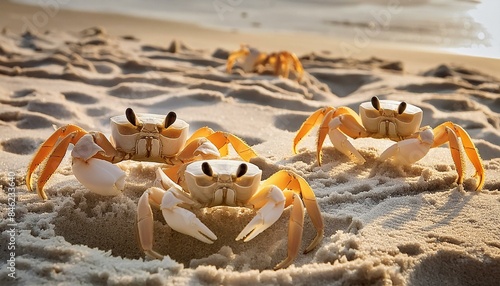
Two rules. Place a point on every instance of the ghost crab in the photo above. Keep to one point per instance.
(140, 137)
(394, 120)
(209, 183)
(252, 60)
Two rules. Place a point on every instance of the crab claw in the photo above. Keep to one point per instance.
(411, 150)
(267, 215)
(99, 176)
(184, 221)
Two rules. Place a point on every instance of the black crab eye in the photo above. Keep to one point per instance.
(170, 119)
(207, 169)
(376, 103)
(402, 107)
(242, 170)
(131, 117)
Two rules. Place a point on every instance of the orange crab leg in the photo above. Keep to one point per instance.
(295, 228)
(313, 120)
(472, 154)
(221, 139)
(55, 158)
(298, 65)
(294, 187)
(350, 125)
(46, 148)
(448, 132)
(202, 132)
(323, 130)
(286, 58)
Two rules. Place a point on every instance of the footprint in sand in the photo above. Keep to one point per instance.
(79, 97)
(452, 104)
(56, 110)
(289, 122)
(432, 87)
(21, 146)
(32, 121)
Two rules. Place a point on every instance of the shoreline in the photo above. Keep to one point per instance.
(16, 17)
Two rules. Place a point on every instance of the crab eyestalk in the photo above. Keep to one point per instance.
(170, 119)
(242, 170)
(207, 169)
(401, 107)
(376, 103)
(131, 117)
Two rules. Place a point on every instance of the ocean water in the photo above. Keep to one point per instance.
(470, 27)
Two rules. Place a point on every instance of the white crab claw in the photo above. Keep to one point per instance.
(341, 143)
(266, 216)
(208, 148)
(99, 176)
(409, 151)
(184, 221)
(85, 148)
(249, 63)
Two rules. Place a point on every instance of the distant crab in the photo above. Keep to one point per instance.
(252, 60)
(394, 120)
(140, 137)
(209, 183)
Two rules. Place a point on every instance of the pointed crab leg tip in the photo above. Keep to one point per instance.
(480, 184)
(153, 254)
(28, 186)
(42, 194)
(283, 264)
(317, 240)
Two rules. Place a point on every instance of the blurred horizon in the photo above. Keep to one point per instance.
(457, 26)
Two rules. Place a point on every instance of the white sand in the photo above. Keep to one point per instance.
(384, 224)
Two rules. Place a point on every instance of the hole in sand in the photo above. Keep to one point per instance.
(109, 225)
(344, 84)
(451, 267)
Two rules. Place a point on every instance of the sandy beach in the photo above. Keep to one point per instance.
(385, 224)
